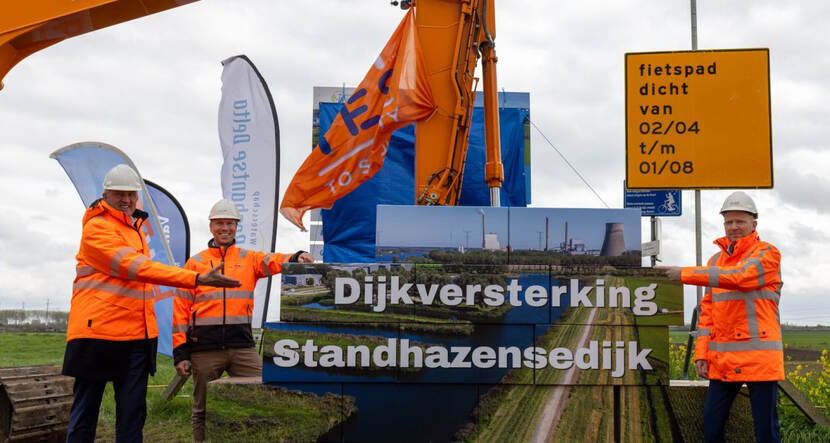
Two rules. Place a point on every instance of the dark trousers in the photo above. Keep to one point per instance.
(130, 403)
(763, 396)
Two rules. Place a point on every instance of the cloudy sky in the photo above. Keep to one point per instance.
(151, 88)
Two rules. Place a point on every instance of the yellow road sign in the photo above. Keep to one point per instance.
(698, 119)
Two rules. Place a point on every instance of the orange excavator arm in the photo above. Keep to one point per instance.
(29, 26)
(454, 35)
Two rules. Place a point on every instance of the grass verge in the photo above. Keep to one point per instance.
(259, 415)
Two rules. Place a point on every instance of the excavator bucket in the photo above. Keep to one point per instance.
(27, 27)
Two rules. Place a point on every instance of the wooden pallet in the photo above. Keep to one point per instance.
(34, 404)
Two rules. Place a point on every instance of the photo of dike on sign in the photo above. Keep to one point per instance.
(470, 298)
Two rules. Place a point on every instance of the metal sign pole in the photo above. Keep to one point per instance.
(698, 247)
(653, 237)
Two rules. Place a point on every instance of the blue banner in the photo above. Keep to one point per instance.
(86, 164)
(176, 230)
(173, 222)
(349, 226)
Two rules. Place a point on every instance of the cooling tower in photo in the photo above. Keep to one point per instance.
(613, 243)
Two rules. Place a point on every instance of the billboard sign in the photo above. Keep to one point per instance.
(483, 334)
(491, 334)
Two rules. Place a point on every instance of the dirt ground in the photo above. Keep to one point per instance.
(801, 354)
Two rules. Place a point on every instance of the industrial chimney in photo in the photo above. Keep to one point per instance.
(483, 229)
(613, 244)
(547, 232)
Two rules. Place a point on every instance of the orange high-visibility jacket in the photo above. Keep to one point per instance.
(207, 318)
(739, 332)
(112, 296)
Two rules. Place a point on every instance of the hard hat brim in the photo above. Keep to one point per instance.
(724, 211)
(122, 188)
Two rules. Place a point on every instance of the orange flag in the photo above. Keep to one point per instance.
(394, 93)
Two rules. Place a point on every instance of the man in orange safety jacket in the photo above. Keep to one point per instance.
(739, 332)
(212, 327)
(112, 333)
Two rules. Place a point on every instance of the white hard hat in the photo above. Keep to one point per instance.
(739, 201)
(122, 178)
(224, 209)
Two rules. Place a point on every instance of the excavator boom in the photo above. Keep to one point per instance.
(454, 35)
(27, 27)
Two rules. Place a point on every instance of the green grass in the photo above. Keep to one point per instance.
(290, 416)
(679, 336)
(31, 348)
(474, 313)
(356, 316)
(505, 413)
(249, 413)
(668, 295)
(405, 323)
(303, 297)
(797, 428)
(169, 421)
(814, 340)
(655, 338)
(511, 412)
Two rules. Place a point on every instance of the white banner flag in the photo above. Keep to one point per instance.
(249, 135)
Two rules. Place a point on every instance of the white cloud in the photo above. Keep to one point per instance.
(151, 88)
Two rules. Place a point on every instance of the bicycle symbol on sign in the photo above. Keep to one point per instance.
(670, 205)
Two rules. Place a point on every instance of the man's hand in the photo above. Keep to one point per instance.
(217, 279)
(305, 257)
(702, 367)
(672, 272)
(183, 368)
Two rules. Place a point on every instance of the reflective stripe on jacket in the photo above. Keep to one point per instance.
(112, 296)
(739, 332)
(219, 318)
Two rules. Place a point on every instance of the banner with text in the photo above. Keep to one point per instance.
(176, 230)
(394, 93)
(249, 135)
